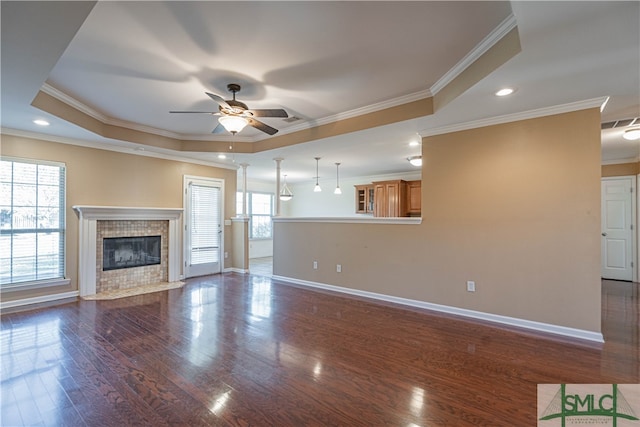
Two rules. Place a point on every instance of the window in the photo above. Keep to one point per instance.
(32, 221)
(260, 210)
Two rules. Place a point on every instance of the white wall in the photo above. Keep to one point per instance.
(306, 203)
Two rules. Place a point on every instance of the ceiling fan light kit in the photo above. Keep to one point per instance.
(233, 124)
(236, 115)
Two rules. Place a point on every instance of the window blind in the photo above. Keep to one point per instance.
(205, 224)
(32, 221)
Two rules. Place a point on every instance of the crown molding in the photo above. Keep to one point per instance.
(515, 117)
(389, 103)
(481, 48)
(620, 161)
(132, 149)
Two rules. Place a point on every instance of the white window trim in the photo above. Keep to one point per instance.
(45, 283)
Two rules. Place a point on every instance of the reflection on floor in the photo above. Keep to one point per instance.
(261, 266)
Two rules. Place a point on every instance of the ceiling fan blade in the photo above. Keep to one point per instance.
(218, 129)
(273, 112)
(218, 99)
(261, 126)
(195, 112)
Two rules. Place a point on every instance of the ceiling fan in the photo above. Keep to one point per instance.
(235, 115)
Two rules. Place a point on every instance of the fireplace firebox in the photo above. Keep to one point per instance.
(129, 252)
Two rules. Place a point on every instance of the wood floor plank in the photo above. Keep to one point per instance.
(242, 350)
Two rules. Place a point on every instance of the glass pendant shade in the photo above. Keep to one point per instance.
(233, 124)
(285, 193)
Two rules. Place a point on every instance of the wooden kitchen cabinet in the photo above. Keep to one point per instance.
(414, 198)
(394, 198)
(364, 199)
(390, 198)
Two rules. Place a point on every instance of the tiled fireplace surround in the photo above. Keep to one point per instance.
(97, 222)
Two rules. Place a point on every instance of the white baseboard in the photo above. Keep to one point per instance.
(495, 318)
(236, 270)
(37, 300)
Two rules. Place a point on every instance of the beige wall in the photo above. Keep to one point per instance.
(514, 207)
(621, 169)
(107, 178)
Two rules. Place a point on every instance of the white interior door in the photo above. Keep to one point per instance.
(617, 228)
(203, 226)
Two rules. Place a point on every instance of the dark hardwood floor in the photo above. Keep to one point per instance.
(236, 350)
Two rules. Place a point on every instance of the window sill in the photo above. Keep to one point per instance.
(36, 284)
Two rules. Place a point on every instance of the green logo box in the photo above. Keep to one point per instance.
(611, 405)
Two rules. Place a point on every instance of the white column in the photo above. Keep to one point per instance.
(278, 160)
(244, 189)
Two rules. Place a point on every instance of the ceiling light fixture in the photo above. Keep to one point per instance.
(504, 92)
(337, 190)
(41, 122)
(631, 134)
(317, 188)
(285, 194)
(222, 156)
(233, 124)
(415, 160)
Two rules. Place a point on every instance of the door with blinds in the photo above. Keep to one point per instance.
(203, 226)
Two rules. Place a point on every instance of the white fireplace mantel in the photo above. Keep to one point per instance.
(87, 248)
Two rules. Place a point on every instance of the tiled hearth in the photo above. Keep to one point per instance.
(97, 222)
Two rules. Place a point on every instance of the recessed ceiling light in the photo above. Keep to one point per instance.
(41, 122)
(631, 134)
(222, 156)
(504, 92)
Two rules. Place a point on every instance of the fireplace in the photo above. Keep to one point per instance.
(130, 252)
(100, 223)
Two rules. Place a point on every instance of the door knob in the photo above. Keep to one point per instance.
(604, 234)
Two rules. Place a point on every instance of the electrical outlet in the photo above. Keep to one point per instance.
(226, 254)
(338, 268)
(315, 265)
(471, 286)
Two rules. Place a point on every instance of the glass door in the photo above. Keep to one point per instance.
(203, 226)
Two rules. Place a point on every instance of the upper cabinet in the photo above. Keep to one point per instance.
(395, 198)
(414, 198)
(364, 199)
(390, 198)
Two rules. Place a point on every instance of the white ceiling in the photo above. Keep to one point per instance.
(132, 62)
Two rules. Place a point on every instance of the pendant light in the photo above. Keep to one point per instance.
(317, 188)
(337, 190)
(285, 193)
